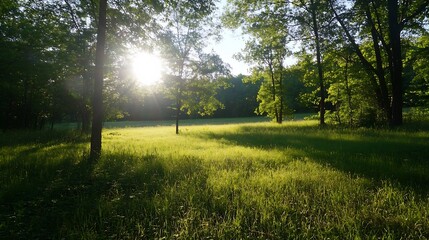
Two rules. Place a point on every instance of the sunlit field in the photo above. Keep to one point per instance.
(219, 181)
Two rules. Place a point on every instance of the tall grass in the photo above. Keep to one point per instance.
(236, 181)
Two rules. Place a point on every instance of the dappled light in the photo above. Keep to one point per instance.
(252, 180)
(357, 153)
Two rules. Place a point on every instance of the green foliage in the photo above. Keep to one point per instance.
(266, 48)
(352, 103)
(375, 35)
(308, 96)
(239, 98)
(418, 91)
(29, 69)
(293, 87)
(417, 114)
(193, 77)
(239, 181)
(199, 95)
(388, 26)
(47, 57)
(137, 104)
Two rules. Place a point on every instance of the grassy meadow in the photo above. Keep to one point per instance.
(220, 181)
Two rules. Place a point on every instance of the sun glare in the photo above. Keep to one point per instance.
(147, 68)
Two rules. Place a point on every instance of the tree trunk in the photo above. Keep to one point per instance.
(281, 107)
(396, 74)
(372, 72)
(319, 65)
(385, 105)
(97, 122)
(273, 89)
(348, 90)
(177, 114)
(281, 93)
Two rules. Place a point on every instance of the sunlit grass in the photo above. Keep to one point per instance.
(236, 181)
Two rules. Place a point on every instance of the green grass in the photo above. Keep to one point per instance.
(183, 122)
(235, 181)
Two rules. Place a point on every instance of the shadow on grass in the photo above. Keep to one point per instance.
(397, 156)
(52, 192)
(34, 165)
(42, 137)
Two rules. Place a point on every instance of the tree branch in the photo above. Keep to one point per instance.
(413, 15)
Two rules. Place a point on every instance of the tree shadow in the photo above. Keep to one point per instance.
(397, 156)
(42, 137)
(36, 163)
(51, 191)
(46, 199)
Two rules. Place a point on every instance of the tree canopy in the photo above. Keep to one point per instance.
(352, 45)
(357, 62)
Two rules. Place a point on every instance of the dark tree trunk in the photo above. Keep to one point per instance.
(273, 90)
(97, 122)
(396, 74)
(281, 94)
(372, 72)
(348, 90)
(322, 87)
(177, 113)
(179, 99)
(281, 113)
(384, 93)
(319, 64)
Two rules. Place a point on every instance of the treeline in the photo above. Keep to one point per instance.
(238, 100)
(363, 61)
(358, 62)
(48, 60)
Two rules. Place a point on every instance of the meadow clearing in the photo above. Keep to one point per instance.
(217, 181)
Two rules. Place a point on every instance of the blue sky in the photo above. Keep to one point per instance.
(232, 42)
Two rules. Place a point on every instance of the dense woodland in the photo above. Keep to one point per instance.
(358, 62)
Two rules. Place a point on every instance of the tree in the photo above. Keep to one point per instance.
(270, 58)
(193, 76)
(266, 49)
(417, 94)
(97, 119)
(352, 103)
(313, 21)
(80, 55)
(119, 18)
(32, 40)
(276, 23)
(385, 22)
(293, 86)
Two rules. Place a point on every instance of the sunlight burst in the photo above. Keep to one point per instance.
(147, 68)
